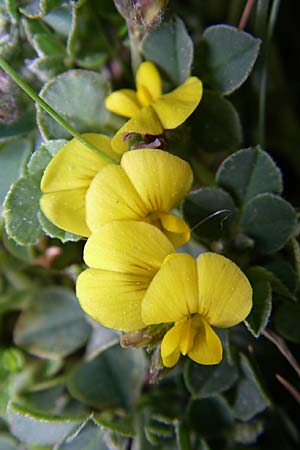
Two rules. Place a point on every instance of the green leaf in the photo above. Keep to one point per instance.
(216, 125)
(249, 172)
(53, 231)
(54, 326)
(171, 49)
(85, 112)
(270, 221)
(12, 158)
(247, 433)
(7, 442)
(101, 339)
(210, 414)
(286, 320)
(42, 156)
(114, 378)
(250, 398)
(182, 436)
(205, 381)
(259, 273)
(35, 428)
(35, 9)
(22, 252)
(205, 202)
(21, 208)
(228, 57)
(23, 125)
(119, 423)
(262, 306)
(91, 437)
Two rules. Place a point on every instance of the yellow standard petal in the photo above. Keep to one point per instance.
(172, 294)
(207, 347)
(145, 122)
(111, 196)
(170, 346)
(148, 83)
(67, 179)
(129, 247)
(162, 180)
(123, 102)
(175, 107)
(112, 298)
(225, 294)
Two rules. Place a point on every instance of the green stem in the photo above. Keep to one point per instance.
(58, 118)
(264, 72)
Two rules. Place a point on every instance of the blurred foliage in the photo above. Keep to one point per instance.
(65, 382)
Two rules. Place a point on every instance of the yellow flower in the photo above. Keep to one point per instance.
(150, 111)
(123, 258)
(145, 187)
(195, 294)
(67, 179)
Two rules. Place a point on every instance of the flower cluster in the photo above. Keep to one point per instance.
(135, 278)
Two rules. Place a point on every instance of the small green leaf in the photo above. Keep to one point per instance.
(228, 57)
(12, 158)
(286, 320)
(54, 326)
(204, 381)
(114, 378)
(250, 398)
(85, 112)
(249, 172)
(21, 208)
(216, 125)
(35, 428)
(262, 307)
(270, 221)
(208, 211)
(171, 48)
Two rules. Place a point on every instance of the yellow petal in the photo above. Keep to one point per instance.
(112, 298)
(66, 209)
(129, 247)
(145, 122)
(207, 348)
(123, 102)
(161, 179)
(175, 107)
(148, 79)
(66, 180)
(75, 165)
(110, 197)
(172, 294)
(225, 294)
(170, 351)
(175, 229)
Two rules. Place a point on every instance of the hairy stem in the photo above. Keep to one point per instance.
(57, 117)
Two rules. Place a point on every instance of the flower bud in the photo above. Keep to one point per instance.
(142, 12)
